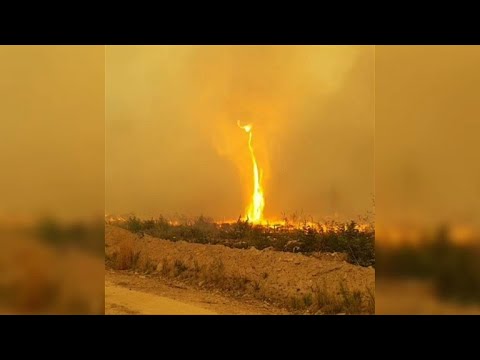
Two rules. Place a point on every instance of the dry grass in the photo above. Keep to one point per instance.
(320, 301)
(325, 302)
(370, 301)
(128, 257)
(351, 300)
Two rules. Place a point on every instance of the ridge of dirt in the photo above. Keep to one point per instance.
(267, 274)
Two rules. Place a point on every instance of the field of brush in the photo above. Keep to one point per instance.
(358, 246)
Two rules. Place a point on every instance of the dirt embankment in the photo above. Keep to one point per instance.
(293, 280)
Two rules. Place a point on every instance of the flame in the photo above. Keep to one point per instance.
(255, 209)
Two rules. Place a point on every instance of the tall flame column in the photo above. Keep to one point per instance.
(255, 208)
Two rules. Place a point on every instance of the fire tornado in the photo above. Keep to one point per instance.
(257, 203)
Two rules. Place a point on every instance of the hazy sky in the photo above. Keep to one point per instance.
(173, 144)
(427, 134)
(52, 131)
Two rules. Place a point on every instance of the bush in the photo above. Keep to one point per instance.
(326, 302)
(134, 224)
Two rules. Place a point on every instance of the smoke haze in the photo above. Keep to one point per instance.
(173, 144)
(427, 170)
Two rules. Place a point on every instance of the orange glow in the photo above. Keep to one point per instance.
(255, 208)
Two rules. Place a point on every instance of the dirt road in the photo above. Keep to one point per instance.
(120, 300)
(130, 293)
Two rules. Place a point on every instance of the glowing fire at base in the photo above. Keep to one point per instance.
(255, 209)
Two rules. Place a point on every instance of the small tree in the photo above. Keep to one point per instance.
(134, 224)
